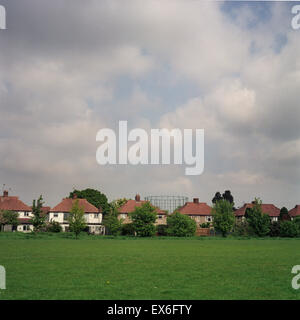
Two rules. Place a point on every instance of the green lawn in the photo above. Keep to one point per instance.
(98, 268)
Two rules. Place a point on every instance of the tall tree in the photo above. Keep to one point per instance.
(76, 219)
(259, 222)
(143, 219)
(217, 197)
(93, 196)
(284, 214)
(38, 219)
(112, 223)
(223, 216)
(118, 203)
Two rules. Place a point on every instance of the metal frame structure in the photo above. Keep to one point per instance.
(169, 203)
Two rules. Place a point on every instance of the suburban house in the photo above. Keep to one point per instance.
(13, 203)
(272, 211)
(92, 215)
(130, 206)
(294, 212)
(198, 211)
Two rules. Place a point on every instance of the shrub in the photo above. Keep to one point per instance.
(258, 221)
(53, 226)
(161, 229)
(127, 229)
(274, 229)
(223, 216)
(241, 228)
(205, 225)
(112, 223)
(180, 225)
(289, 229)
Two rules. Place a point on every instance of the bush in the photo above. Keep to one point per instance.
(241, 228)
(53, 226)
(274, 229)
(180, 225)
(289, 229)
(161, 229)
(205, 225)
(127, 229)
(112, 223)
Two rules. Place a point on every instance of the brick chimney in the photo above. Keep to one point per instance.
(5, 193)
(196, 200)
(137, 197)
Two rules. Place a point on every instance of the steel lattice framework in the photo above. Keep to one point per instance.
(169, 203)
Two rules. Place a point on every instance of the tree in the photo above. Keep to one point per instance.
(275, 229)
(217, 197)
(223, 216)
(258, 221)
(284, 214)
(225, 196)
(9, 217)
(116, 204)
(76, 219)
(112, 223)
(38, 219)
(180, 225)
(93, 196)
(143, 219)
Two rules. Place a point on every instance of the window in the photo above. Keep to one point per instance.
(66, 216)
(55, 215)
(26, 214)
(96, 216)
(208, 218)
(26, 228)
(160, 216)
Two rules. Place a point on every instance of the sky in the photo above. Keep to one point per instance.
(69, 68)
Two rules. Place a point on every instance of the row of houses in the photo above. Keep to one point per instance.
(199, 211)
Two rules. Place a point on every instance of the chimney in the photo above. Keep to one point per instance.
(196, 200)
(5, 193)
(74, 196)
(137, 197)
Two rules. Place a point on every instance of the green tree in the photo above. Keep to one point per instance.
(258, 221)
(223, 216)
(93, 196)
(180, 225)
(116, 204)
(76, 219)
(112, 223)
(38, 219)
(9, 217)
(143, 219)
(284, 214)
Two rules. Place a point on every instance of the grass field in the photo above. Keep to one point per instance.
(101, 268)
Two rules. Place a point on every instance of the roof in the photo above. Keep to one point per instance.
(13, 204)
(130, 205)
(295, 211)
(195, 209)
(268, 209)
(66, 205)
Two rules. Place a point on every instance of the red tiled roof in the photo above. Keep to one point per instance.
(195, 209)
(130, 205)
(295, 211)
(13, 204)
(268, 209)
(66, 205)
